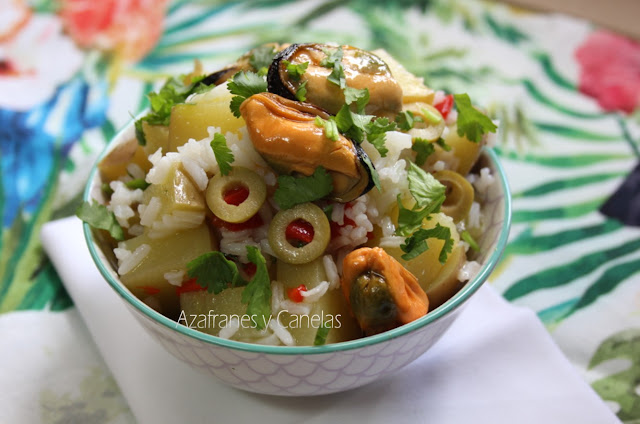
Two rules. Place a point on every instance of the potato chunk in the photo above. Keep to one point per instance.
(176, 193)
(208, 312)
(114, 165)
(439, 281)
(191, 120)
(332, 307)
(156, 136)
(171, 253)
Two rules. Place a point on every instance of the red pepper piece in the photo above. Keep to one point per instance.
(189, 286)
(445, 105)
(150, 290)
(236, 195)
(299, 231)
(295, 293)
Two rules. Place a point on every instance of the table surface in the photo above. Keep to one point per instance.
(565, 92)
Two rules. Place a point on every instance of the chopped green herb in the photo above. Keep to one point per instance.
(471, 122)
(429, 195)
(222, 152)
(137, 183)
(406, 120)
(257, 294)
(424, 188)
(466, 236)
(372, 170)
(333, 60)
(330, 128)
(214, 272)
(244, 85)
(358, 96)
(440, 142)
(321, 334)
(296, 71)
(301, 92)
(261, 57)
(106, 189)
(328, 210)
(173, 92)
(293, 191)
(352, 125)
(423, 148)
(417, 243)
(376, 133)
(98, 216)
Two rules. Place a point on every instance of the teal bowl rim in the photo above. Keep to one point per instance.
(449, 306)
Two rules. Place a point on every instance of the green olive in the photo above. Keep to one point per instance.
(238, 177)
(299, 255)
(372, 303)
(459, 194)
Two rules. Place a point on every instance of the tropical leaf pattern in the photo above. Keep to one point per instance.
(564, 155)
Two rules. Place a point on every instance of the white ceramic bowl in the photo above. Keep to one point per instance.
(307, 371)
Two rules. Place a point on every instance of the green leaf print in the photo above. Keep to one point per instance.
(621, 387)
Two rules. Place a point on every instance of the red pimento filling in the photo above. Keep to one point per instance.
(445, 105)
(295, 293)
(189, 286)
(150, 290)
(299, 233)
(236, 195)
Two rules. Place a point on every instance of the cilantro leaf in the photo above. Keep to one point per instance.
(214, 272)
(293, 191)
(296, 71)
(352, 125)
(417, 243)
(321, 334)
(429, 195)
(406, 120)
(330, 128)
(257, 294)
(222, 152)
(173, 92)
(245, 85)
(423, 148)
(98, 216)
(301, 92)
(471, 122)
(424, 188)
(261, 57)
(137, 183)
(372, 170)
(359, 96)
(334, 60)
(376, 134)
(443, 144)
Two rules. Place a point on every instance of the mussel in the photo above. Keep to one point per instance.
(362, 69)
(244, 63)
(382, 294)
(285, 134)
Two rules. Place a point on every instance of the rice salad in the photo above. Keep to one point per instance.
(305, 194)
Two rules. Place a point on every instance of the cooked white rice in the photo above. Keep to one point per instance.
(149, 212)
(332, 271)
(314, 294)
(129, 260)
(176, 221)
(230, 329)
(175, 277)
(122, 201)
(468, 271)
(278, 329)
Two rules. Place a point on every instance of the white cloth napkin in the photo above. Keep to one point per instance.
(497, 364)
